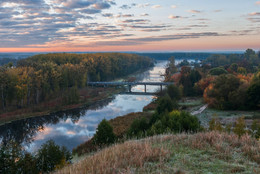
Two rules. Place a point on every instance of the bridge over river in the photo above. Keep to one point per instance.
(130, 84)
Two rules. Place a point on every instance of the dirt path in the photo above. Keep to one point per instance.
(200, 110)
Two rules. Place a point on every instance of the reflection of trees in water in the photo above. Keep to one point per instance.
(24, 130)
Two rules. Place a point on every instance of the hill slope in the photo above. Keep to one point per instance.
(210, 152)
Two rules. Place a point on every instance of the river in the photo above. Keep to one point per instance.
(76, 126)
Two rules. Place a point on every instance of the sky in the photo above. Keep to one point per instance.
(133, 25)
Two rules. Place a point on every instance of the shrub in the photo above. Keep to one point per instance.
(240, 126)
(183, 122)
(215, 125)
(104, 134)
(255, 128)
(138, 128)
(176, 122)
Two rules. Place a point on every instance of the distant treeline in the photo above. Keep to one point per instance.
(157, 56)
(42, 77)
(166, 56)
(5, 61)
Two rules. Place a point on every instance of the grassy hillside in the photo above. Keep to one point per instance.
(210, 152)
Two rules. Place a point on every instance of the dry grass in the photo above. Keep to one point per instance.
(209, 152)
(122, 124)
(123, 158)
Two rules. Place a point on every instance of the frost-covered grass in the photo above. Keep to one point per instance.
(210, 152)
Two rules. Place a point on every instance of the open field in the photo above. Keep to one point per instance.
(210, 152)
(225, 117)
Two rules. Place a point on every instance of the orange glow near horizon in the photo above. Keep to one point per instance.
(205, 44)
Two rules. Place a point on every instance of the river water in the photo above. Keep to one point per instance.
(71, 128)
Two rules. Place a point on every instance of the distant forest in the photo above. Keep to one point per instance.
(39, 78)
(13, 57)
(187, 55)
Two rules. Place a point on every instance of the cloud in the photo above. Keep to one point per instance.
(156, 6)
(127, 15)
(108, 15)
(77, 3)
(254, 20)
(125, 7)
(144, 40)
(26, 23)
(194, 11)
(241, 32)
(173, 6)
(174, 17)
(144, 14)
(217, 11)
(257, 2)
(101, 5)
(254, 17)
(254, 14)
(136, 21)
(197, 26)
(91, 11)
(143, 5)
(150, 26)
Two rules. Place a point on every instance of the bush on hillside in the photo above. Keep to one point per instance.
(104, 134)
(175, 122)
(138, 128)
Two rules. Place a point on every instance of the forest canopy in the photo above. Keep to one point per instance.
(39, 77)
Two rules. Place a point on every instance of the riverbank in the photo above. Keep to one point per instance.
(88, 96)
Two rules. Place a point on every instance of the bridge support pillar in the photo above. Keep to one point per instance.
(129, 88)
(161, 88)
(145, 88)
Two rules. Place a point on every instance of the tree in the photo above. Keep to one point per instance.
(218, 71)
(10, 156)
(234, 67)
(50, 156)
(184, 63)
(174, 92)
(165, 104)
(253, 93)
(104, 134)
(248, 53)
(222, 92)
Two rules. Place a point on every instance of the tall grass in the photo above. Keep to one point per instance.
(136, 156)
(122, 158)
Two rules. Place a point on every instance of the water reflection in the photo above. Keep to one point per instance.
(71, 128)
